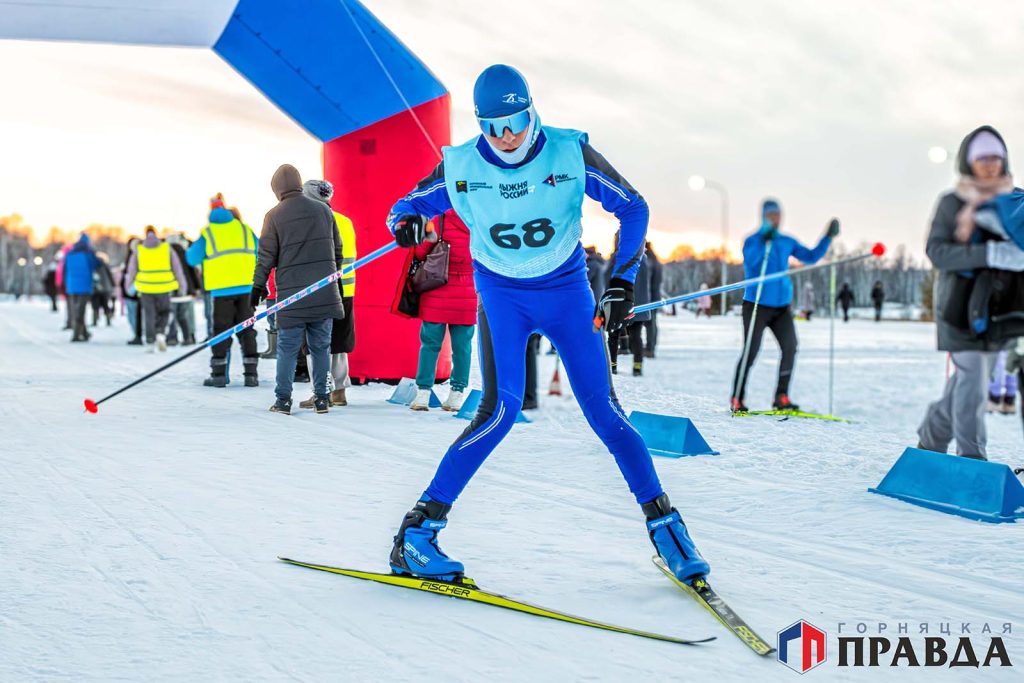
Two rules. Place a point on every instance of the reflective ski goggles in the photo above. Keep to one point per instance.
(517, 123)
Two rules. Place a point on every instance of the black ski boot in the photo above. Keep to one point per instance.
(416, 551)
(283, 406)
(249, 368)
(218, 373)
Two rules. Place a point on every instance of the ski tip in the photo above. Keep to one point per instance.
(90, 406)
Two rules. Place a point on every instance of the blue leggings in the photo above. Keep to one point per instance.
(562, 310)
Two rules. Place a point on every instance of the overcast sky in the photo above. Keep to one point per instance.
(829, 106)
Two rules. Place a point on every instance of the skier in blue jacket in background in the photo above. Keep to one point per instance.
(519, 187)
(772, 300)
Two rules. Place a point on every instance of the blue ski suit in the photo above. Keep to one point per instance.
(531, 275)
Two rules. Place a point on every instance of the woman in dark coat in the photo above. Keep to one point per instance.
(956, 252)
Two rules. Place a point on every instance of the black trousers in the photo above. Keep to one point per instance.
(156, 309)
(652, 332)
(228, 311)
(77, 305)
(636, 344)
(780, 321)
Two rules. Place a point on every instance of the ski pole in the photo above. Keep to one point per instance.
(831, 337)
(877, 250)
(93, 406)
(741, 377)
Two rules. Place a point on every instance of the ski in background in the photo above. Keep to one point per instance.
(792, 413)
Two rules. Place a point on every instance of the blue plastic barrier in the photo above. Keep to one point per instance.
(405, 392)
(976, 489)
(670, 436)
(472, 402)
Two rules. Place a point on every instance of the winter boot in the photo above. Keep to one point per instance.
(173, 341)
(782, 402)
(416, 550)
(338, 397)
(614, 366)
(218, 373)
(737, 406)
(454, 401)
(1008, 407)
(249, 364)
(994, 404)
(271, 351)
(638, 369)
(321, 404)
(283, 406)
(672, 541)
(161, 342)
(422, 400)
(137, 341)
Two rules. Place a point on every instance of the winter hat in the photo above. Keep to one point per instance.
(963, 166)
(217, 201)
(321, 190)
(770, 206)
(500, 91)
(985, 144)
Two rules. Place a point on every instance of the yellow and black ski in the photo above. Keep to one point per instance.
(791, 413)
(468, 590)
(710, 600)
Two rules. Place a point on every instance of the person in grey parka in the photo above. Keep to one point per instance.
(959, 414)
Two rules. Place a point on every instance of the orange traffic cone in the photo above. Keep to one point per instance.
(556, 385)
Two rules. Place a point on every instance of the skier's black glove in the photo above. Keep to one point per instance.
(833, 228)
(411, 229)
(614, 305)
(258, 294)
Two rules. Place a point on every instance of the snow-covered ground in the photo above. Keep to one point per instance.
(140, 543)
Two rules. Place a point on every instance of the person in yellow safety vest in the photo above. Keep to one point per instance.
(155, 272)
(343, 332)
(226, 250)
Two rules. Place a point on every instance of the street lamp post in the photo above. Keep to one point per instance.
(698, 183)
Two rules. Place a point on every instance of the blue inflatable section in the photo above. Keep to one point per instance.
(976, 489)
(311, 60)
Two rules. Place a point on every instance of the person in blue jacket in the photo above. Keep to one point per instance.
(79, 265)
(519, 187)
(767, 305)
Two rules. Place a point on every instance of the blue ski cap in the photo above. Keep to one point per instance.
(500, 91)
(770, 206)
(502, 100)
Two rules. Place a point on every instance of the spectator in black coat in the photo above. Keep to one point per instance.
(877, 299)
(300, 239)
(845, 299)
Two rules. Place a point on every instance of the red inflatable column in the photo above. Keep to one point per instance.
(371, 168)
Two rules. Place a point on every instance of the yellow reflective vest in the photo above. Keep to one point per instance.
(155, 274)
(347, 232)
(230, 257)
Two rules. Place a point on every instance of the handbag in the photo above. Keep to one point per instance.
(432, 272)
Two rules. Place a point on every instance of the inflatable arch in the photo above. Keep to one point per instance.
(338, 72)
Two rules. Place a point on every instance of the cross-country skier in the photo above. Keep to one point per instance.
(772, 299)
(519, 187)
